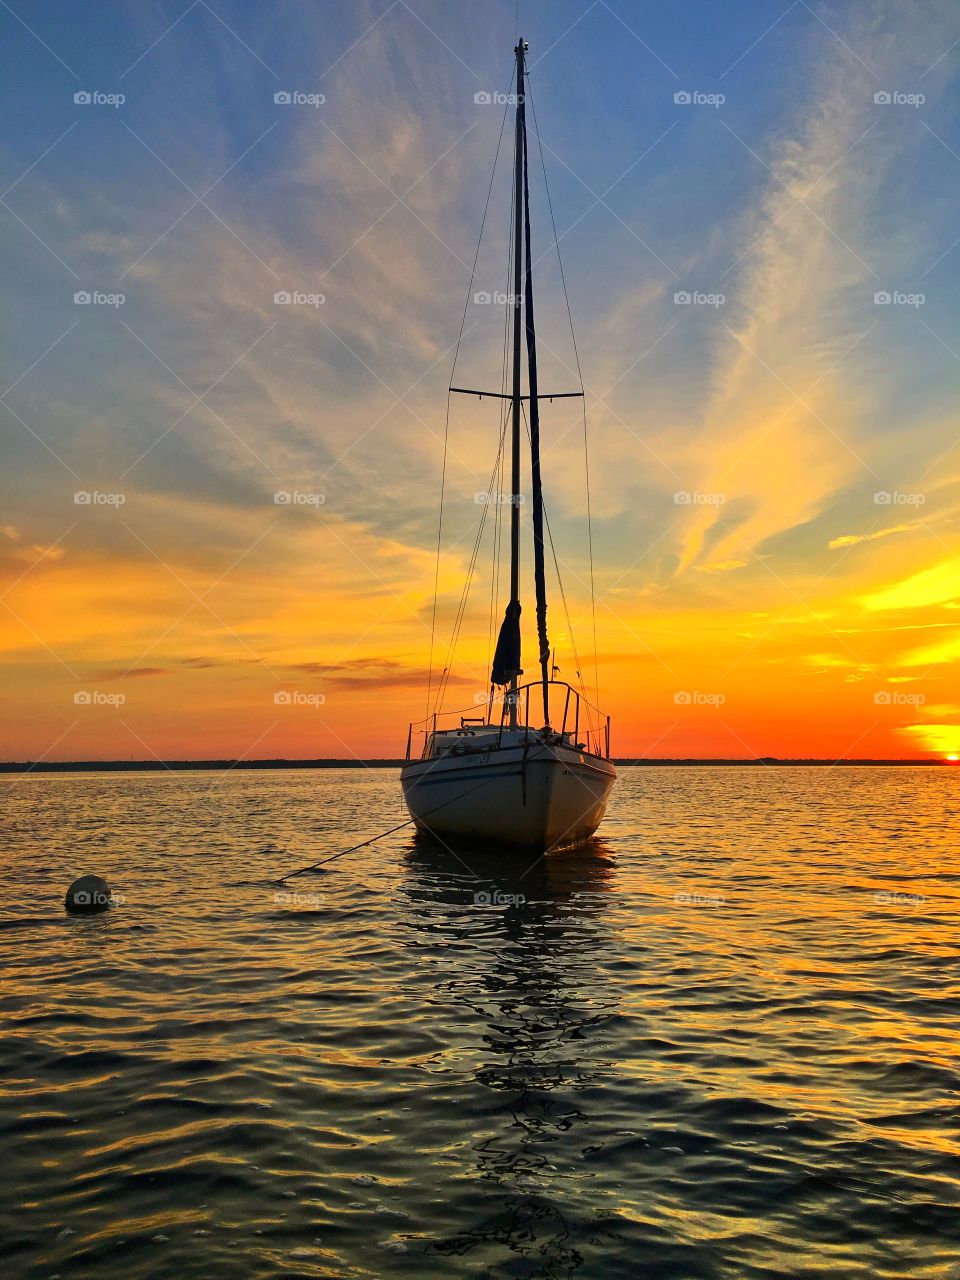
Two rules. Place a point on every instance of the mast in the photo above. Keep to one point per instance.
(515, 497)
(536, 486)
(506, 668)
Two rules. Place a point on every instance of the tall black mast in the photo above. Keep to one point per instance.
(539, 573)
(506, 658)
(517, 299)
(515, 494)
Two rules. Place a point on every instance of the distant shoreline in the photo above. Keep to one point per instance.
(176, 766)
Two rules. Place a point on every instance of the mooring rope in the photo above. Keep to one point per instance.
(399, 827)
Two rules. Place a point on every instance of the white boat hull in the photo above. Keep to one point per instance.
(545, 796)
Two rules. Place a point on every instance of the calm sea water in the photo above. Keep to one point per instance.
(724, 1041)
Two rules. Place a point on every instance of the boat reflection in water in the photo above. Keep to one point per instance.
(518, 952)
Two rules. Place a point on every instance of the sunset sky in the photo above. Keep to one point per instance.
(807, 595)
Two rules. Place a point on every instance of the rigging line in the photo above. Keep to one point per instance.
(496, 592)
(576, 354)
(436, 571)
(462, 608)
(533, 431)
(495, 537)
(461, 611)
(446, 423)
(465, 593)
(566, 608)
(573, 643)
(495, 541)
(483, 223)
(504, 415)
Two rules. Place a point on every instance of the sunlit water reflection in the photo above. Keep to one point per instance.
(720, 1042)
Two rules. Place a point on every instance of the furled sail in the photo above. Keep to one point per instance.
(506, 657)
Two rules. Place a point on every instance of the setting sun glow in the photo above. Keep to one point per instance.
(228, 425)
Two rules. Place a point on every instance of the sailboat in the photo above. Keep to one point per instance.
(501, 778)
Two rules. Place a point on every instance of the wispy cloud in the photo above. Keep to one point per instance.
(854, 539)
(774, 413)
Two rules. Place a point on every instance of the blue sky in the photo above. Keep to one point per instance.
(785, 187)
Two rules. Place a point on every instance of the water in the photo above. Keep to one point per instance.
(722, 1042)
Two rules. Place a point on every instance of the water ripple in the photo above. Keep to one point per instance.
(721, 1042)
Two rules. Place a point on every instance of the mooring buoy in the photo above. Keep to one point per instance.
(88, 894)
